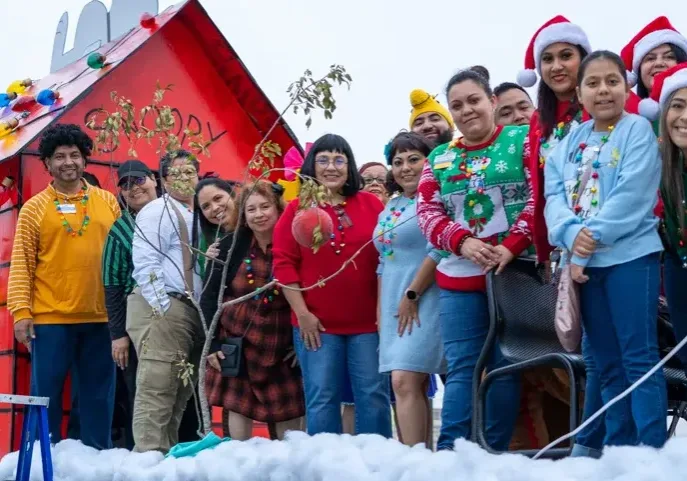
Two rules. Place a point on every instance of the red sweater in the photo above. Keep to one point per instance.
(346, 304)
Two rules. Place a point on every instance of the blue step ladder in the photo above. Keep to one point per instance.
(35, 425)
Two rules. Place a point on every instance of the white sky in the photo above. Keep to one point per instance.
(389, 46)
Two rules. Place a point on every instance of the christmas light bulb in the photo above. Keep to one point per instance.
(47, 97)
(6, 99)
(19, 86)
(96, 60)
(8, 126)
(147, 21)
(24, 103)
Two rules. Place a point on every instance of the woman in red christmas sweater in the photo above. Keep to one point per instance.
(335, 323)
(556, 52)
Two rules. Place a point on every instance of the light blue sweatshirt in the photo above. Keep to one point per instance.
(617, 206)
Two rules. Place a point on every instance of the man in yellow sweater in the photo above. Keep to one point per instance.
(55, 291)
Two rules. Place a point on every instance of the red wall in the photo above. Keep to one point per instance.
(201, 101)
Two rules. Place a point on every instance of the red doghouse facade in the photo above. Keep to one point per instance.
(213, 93)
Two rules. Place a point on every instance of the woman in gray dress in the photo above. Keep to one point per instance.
(410, 339)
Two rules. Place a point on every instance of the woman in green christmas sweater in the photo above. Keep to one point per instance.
(475, 203)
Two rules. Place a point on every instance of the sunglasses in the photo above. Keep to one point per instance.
(129, 182)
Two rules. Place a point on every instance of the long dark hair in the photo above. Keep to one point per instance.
(404, 142)
(680, 56)
(672, 167)
(547, 102)
(334, 143)
(201, 225)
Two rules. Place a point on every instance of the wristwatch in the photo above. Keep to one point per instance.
(412, 295)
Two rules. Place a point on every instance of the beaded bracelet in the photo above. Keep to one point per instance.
(460, 244)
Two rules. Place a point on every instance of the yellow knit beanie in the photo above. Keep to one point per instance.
(422, 103)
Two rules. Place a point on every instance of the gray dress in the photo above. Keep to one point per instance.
(401, 252)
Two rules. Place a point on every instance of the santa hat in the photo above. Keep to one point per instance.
(665, 84)
(558, 29)
(657, 33)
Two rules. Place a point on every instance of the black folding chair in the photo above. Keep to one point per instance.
(521, 310)
(522, 304)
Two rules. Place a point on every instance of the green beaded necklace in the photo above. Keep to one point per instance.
(83, 200)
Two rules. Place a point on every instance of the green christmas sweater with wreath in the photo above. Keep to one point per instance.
(480, 191)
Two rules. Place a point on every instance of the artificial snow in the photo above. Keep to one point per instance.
(329, 457)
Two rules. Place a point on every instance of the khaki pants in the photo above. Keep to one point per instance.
(161, 344)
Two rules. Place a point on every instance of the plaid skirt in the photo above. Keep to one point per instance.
(267, 388)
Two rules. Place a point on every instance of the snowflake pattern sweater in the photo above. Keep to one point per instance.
(477, 191)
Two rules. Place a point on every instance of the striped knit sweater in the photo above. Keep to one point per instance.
(477, 191)
(55, 278)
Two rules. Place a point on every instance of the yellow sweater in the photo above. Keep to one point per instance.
(55, 278)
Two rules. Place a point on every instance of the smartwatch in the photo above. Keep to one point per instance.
(412, 295)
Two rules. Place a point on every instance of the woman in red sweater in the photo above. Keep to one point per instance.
(335, 323)
(556, 52)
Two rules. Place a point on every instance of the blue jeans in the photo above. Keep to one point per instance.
(86, 350)
(619, 306)
(589, 442)
(675, 280)
(464, 322)
(323, 378)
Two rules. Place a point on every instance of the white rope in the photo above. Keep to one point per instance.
(605, 407)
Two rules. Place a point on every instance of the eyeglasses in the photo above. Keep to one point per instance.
(372, 180)
(129, 182)
(324, 162)
(178, 172)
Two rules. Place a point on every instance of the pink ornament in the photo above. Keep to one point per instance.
(293, 160)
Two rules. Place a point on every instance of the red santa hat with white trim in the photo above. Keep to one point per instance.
(558, 29)
(658, 32)
(665, 84)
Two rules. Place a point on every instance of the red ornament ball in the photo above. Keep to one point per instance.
(147, 21)
(305, 222)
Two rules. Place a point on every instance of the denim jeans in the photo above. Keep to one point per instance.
(589, 442)
(464, 320)
(323, 378)
(619, 306)
(675, 280)
(86, 350)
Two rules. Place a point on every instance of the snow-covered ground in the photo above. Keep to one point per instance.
(329, 457)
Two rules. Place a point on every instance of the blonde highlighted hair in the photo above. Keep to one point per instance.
(269, 190)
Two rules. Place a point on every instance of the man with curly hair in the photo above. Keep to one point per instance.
(55, 290)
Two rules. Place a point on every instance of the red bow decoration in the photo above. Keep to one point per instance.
(293, 160)
(477, 224)
(458, 177)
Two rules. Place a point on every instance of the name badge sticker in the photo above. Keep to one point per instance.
(444, 160)
(66, 208)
